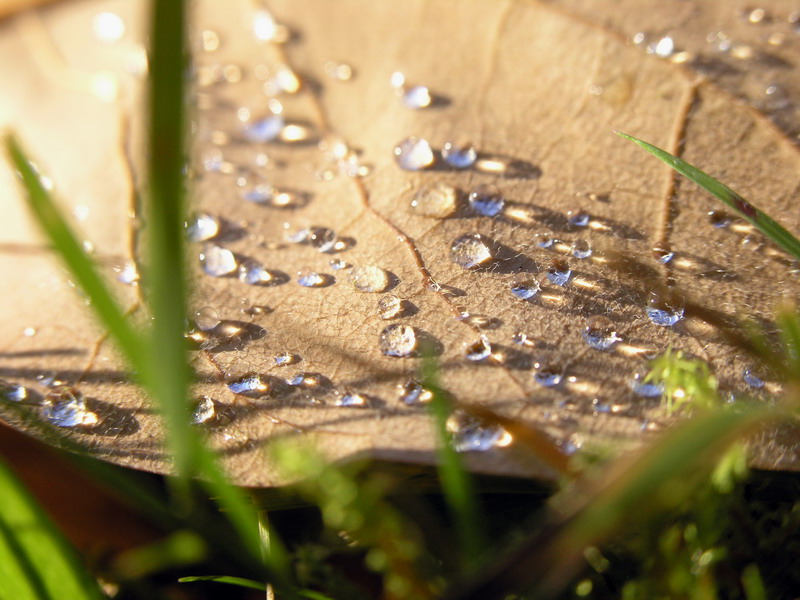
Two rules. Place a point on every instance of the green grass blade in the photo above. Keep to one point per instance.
(457, 484)
(238, 581)
(81, 267)
(36, 562)
(760, 220)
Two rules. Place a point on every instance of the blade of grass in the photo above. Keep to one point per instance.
(36, 561)
(457, 485)
(760, 220)
(238, 581)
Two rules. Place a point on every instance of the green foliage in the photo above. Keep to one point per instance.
(687, 382)
(36, 562)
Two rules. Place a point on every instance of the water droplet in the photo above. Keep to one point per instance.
(398, 340)
(266, 129)
(108, 27)
(413, 393)
(337, 264)
(756, 15)
(545, 239)
(522, 339)
(397, 80)
(460, 157)
(286, 358)
(127, 273)
(559, 272)
(438, 201)
(719, 219)
(12, 392)
(662, 254)
(206, 318)
(581, 249)
(486, 200)
(202, 227)
(416, 97)
(478, 350)
(353, 400)
(664, 309)
(390, 307)
(312, 279)
(296, 237)
(203, 411)
(470, 251)
(306, 380)
(261, 193)
(578, 218)
(253, 272)
(471, 434)
(66, 407)
(252, 386)
(547, 375)
(322, 238)
(218, 261)
(29, 331)
(525, 290)
(265, 27)
(210, 40)
(413, 154)
(369, 278)
(645, 389)
(479, 321)
(752, 380)
(663, 47)
(600, 333)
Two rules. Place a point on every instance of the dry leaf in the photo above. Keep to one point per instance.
(538, 89)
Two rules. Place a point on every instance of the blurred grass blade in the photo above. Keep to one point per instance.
(177, 550)
(621, 496)
(238, 581)
(81, 267)
(765, 224)
(456, 482)
(36, 561)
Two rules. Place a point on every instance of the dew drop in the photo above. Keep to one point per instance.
(296, 237)
(486, 200)
(470, 251)
(525, 290)
(266, 129)
(559, 272)
(203, 411)
(413, 154)
(662, 254)
(265, 28)
(663, 47)
(460, 157)
(578, 218)
(416, 97)
(252, 386)
(438, 201)
(202, 227)
(353, 400)
(479, 321)
(544, 239)
(471, 434)
(719, 219)
(66, 407)
(645, 389)
(547, 375)
(285, 359)
(108, 27)
(398, 340)
(412, 393)
(260, 193)
(253, 272)
(522, 339)
(322, 238)
(600, 333)
(390, 307)
(306, 380)
(664, 310)
(29, 331)
(206, 318)
(752, 380)
(312, 279)
(337, 264)
(127, 273)
(11, 392)
(369, 278)
(218, 261)
(479, 350)
(581, 249)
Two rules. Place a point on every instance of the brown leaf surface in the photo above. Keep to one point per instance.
(539, 88)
